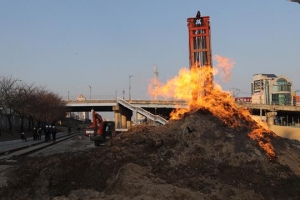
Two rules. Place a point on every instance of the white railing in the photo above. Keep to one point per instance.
(142, 111)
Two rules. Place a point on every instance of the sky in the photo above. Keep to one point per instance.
(92, 47)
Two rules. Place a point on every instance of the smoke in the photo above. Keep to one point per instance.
(224, 67)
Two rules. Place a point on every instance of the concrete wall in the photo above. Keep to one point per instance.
(286, 131)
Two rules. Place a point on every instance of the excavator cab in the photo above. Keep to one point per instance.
(109, 129)
(100, 130)
(108, 132)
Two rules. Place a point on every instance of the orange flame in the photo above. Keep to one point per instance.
(197, 88)
(225, 65)
(264, 142)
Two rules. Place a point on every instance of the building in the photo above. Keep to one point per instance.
(271, 89)
(83, 116)
(81, 98)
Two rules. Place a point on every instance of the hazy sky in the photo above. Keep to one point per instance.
(69, 45)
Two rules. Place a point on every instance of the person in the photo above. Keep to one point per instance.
(47, 134)
(54, 131)
(39, 134)
(23, 137)
(69, 130)
(50, 132)
(34, 133)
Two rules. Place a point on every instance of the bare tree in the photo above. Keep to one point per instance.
(7, 91)
(47, 107)
(54, 108)
(31, 102)
(23, 100)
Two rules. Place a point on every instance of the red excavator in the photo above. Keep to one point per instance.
(100, 130)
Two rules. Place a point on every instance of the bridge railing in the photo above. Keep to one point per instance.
(142, 111)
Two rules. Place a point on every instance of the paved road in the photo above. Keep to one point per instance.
(14, 144)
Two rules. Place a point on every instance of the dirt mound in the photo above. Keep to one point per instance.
(196, 157)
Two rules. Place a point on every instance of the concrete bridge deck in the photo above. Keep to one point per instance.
(124, 119)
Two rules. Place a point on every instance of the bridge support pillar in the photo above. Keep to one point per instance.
(270, 117)
(123, 121)
(135, 113)
(117, 119)
(122, 117)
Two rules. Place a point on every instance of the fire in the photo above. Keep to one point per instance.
(225, 65)
(264, 142)
(196, 87)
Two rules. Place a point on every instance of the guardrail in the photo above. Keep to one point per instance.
(142, 111)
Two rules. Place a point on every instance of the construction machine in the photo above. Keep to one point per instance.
(99, 131)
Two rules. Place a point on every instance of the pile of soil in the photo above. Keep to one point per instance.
(197, 157)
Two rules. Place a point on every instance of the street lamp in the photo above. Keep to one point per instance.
(233, 92)
(90, 92)
(130, 86)
(296, 96)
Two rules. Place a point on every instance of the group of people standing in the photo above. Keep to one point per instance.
(37, 133)
(50, 131)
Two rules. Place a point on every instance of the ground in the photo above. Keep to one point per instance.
(16, 135)
(196, 157)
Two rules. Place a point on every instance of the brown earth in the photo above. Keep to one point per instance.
(197, 157)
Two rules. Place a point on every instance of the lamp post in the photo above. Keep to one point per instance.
(90, 92)
(296, 97)
(68, 95)
(233, 92)
(130, 87)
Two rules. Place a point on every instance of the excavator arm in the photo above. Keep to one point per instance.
(98, 123)
(98, 126)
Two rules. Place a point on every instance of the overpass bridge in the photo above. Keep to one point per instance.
(285, 113)
(158, 110)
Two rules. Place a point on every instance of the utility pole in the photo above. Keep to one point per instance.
(130, 87)
(260, 109)
(155, 80)
(233, 90)
(295, 103)
(90, 92)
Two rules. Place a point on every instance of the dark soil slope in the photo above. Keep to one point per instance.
(196, 157)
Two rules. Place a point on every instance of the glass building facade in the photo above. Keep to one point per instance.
(270, 89)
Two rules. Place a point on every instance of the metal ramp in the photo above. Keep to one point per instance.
(142, 111)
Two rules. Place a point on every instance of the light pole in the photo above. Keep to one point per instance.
(90, 92)
(130, 87)
(233, 92)
(296, 97)
(68, 95)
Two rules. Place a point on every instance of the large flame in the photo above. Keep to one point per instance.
(196, 87)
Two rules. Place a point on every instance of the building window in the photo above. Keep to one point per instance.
(281, 99)
(282, 85)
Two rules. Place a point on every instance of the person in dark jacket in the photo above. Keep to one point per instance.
(34, 133)
(23, 137)
(54, 131)
(39, 134)
(47, 133)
